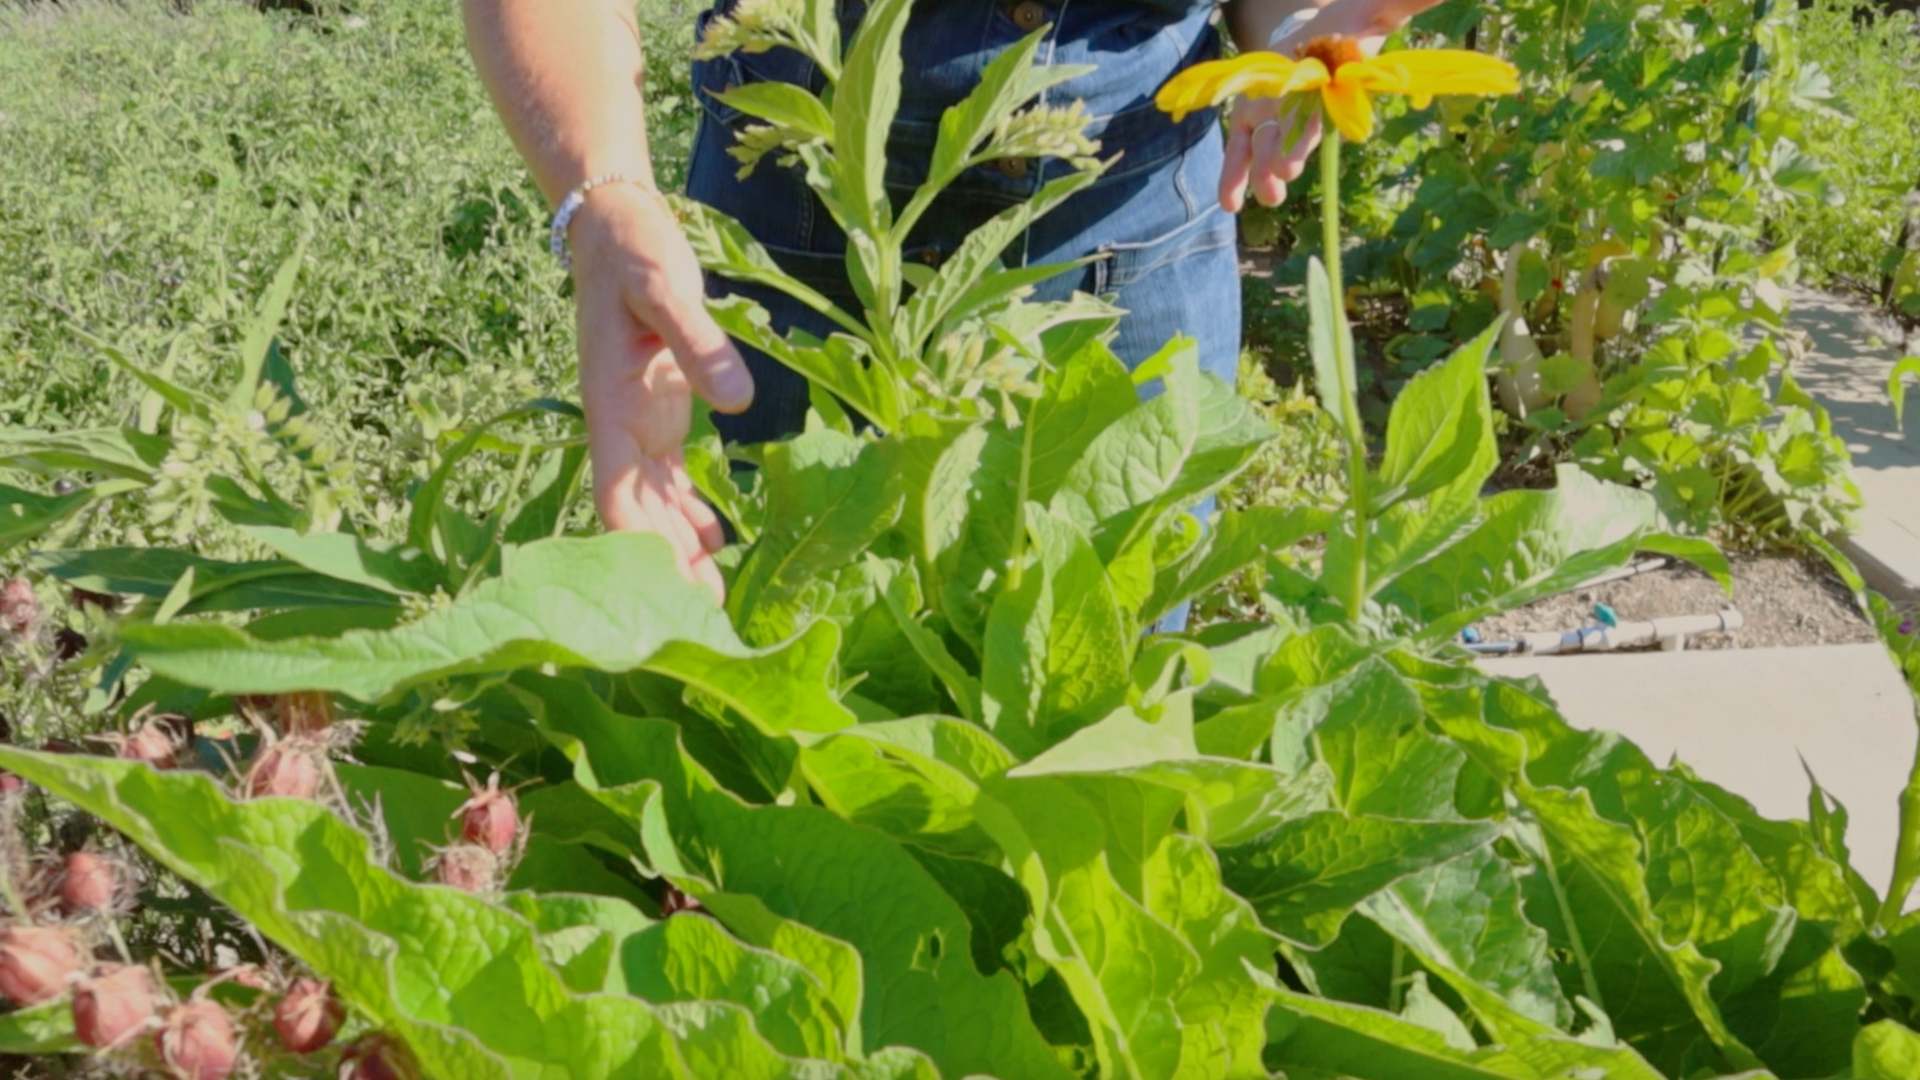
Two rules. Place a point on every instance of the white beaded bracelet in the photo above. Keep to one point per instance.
(569, 206)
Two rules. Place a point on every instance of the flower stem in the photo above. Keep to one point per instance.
(1356, 592)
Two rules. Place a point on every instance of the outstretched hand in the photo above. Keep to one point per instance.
(647, 345)
(1258, 157)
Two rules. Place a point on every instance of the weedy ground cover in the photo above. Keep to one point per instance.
(458, 788)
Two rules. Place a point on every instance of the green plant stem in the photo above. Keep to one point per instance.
(1016, 572)
(1356, 594)
(1588, 981)
(1397, 989)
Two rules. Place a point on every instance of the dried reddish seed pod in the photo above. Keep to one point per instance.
(308, 1017)
(309, 712)
(37, 963)
(11, 785)
(491, 818)
(288, 769)
(378, 1057)
(468, 867)
(19, 608)
(154, 742)
(113, 1006)
(86, 883)
(197, 1042)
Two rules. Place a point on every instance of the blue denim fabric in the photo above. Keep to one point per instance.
(1168, 247)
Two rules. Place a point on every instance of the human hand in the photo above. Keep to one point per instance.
(647, 345)
(1259, 158)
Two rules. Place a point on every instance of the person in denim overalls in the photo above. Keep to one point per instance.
(565, 76)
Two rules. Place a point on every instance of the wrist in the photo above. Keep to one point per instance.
(603, 199)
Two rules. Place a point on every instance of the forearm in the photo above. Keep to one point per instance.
(565, 76)
(1252, 22)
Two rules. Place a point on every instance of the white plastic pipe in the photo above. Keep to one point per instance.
(1668, 633)
(1633, 569)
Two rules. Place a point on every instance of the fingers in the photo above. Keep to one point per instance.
(1267, 184)
(1233, 175)
(706, 356)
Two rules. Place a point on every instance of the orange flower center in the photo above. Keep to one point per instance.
(1332, 51)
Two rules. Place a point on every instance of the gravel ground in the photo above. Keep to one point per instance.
(1785, 601)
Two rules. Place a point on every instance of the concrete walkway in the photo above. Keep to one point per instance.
(1746, 719)
(1851, 351)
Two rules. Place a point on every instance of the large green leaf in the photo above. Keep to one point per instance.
(1359, 1043)
(216, 585)
(1886, 1051)
(829, 496)
(1058, 649)
(26, 514)
(120, 452)
(1236, 541)
(611, 602)
(1085, 395)
(489, 1007)
(864, 103)
(840, 364)
(1132, 915)
(1306, 875)
(807, 865)
(689, 958)
(1440, 432)
(346, 557)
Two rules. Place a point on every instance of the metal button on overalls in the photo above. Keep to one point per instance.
(1028, 15)
(1013, 168)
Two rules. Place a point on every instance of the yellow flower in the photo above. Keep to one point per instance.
(1346, 79)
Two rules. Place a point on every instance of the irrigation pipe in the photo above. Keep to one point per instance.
(1669, 633)
(1633, 569)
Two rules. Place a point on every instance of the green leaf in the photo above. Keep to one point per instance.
(488, 1009)
(1058, 650)
(611, 602)
(1134, 919)
(1008, 81)
(1237, 540)
(261, 328)
(345, 557)
(118, 452)
(964, 284)
(864, 103)
(556, 485)
(1305, 875)
(218, 586)
(829, 496)
(690, 958)
(1357, 1042)
(1897, 385)
(782, 104)
(1440, 432)
(1330, 340)
(805, 864)
(24, 515)
(913, 779)
(39, 1029)
(725, 247)
(841, 364)
(1886, 1051)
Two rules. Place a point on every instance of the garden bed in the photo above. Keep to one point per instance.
(1786, 601)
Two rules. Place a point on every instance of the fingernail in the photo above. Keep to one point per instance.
(730, 380)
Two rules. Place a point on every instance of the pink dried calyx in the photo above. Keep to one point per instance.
(378, 1057)
(113, 1007)
(468, 867)
(197, 1042)
(37, 963)
(158, 742)
(288, 769)
(87, 883)
(11, 785)
(20, 610)
(308, 1017)
(490, 818)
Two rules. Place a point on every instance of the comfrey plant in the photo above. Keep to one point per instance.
(925, 800)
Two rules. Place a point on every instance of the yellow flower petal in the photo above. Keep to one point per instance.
(1424, 74)
(1254, 74)
(1348, 106)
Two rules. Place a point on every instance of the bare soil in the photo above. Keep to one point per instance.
(1785, 601)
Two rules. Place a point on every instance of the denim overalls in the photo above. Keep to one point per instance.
(1170, 255)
